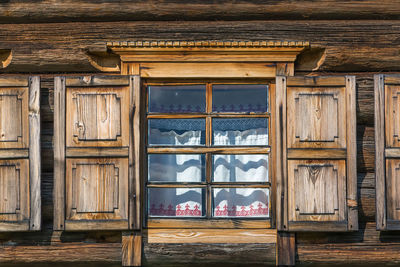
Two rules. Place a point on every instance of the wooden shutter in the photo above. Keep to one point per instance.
(20, 203)
(387, 147)
(316, 154)
(94, 186)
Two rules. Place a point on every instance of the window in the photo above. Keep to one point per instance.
(208, 151)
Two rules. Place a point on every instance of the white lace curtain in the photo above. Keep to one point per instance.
(228, 202)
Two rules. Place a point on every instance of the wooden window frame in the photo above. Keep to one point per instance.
(208, 150)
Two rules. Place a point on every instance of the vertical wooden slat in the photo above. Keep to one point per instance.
(135, 151)
(131, 249)
(280, 155)
(34, 152)
(380, 152)
(59, 153)
(286, 249)
(352, 207)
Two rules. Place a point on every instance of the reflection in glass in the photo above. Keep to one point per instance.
(240, 202)
(177, 99)
(175, 202)
(240, 132)
(240, 98)
(240, 168)
(177, 132)
(176, 168)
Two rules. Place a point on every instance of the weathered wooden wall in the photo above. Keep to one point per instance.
(360, 38)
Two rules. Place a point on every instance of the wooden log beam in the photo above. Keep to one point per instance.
(350, 46)
(17, 11)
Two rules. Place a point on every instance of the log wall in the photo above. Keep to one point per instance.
(354, 38)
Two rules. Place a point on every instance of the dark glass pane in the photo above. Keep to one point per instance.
(176, 202)
(240, 168)
(177, 132)
(240, 98)
(240, 132)
(177, 99)
(176, 168)
(240, 202)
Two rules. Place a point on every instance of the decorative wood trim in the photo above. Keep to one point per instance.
(6, 56)
(267, 236)
(196, 51)
(59, 153)
(352, 210)
(34, 153)
(181, 44)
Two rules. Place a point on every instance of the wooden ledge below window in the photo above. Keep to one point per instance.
(232, 236)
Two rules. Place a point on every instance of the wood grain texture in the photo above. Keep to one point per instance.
(95, 116)
(14, 195)
(64, 11)
(211, 236)
(34, 153)
(97, 189)
(136, 160)
(316, 191)
(351, 159)
(280, 155)
(207, 70)
(349, 46)
(14, 103)
(77, 152)
(59, 153)
(131, 249)
(286, 249)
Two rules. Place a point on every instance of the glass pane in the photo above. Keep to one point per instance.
(177, 99)
(240, 98)
(240, 132)
(241, 202)
(177, 132)
(176, 168)
(176, 202)
(240, 168)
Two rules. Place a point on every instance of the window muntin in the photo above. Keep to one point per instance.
(192, 166)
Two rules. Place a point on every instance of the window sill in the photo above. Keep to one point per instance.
(232, 236)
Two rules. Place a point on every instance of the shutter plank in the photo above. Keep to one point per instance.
(59, 153)
(351, 154)
(34, 152)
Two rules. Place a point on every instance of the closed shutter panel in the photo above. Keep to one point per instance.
(387, 145)
(20, 204)
(316, 154)
(93, 153)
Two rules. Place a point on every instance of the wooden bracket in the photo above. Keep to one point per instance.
(5, 58)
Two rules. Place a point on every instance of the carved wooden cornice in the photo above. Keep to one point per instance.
(118, 54)
(184, 44)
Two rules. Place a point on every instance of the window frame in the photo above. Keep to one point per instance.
(208, 150)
